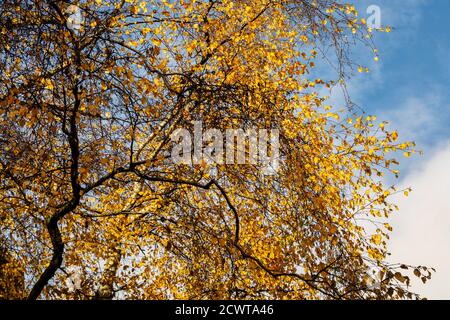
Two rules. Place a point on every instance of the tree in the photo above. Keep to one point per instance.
(11, 277)
(94, 207)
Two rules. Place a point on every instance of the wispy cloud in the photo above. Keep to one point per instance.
(422, 227)
(420, 117)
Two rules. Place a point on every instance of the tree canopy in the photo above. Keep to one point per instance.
(91, 203)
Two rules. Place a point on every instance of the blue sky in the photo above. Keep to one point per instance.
(413, 67)
(410, 88)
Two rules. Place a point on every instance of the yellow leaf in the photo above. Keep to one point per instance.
(376, 239)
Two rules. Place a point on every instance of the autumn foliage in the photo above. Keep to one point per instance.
(92, 206)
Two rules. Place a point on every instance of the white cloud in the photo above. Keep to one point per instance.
(422, 227)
